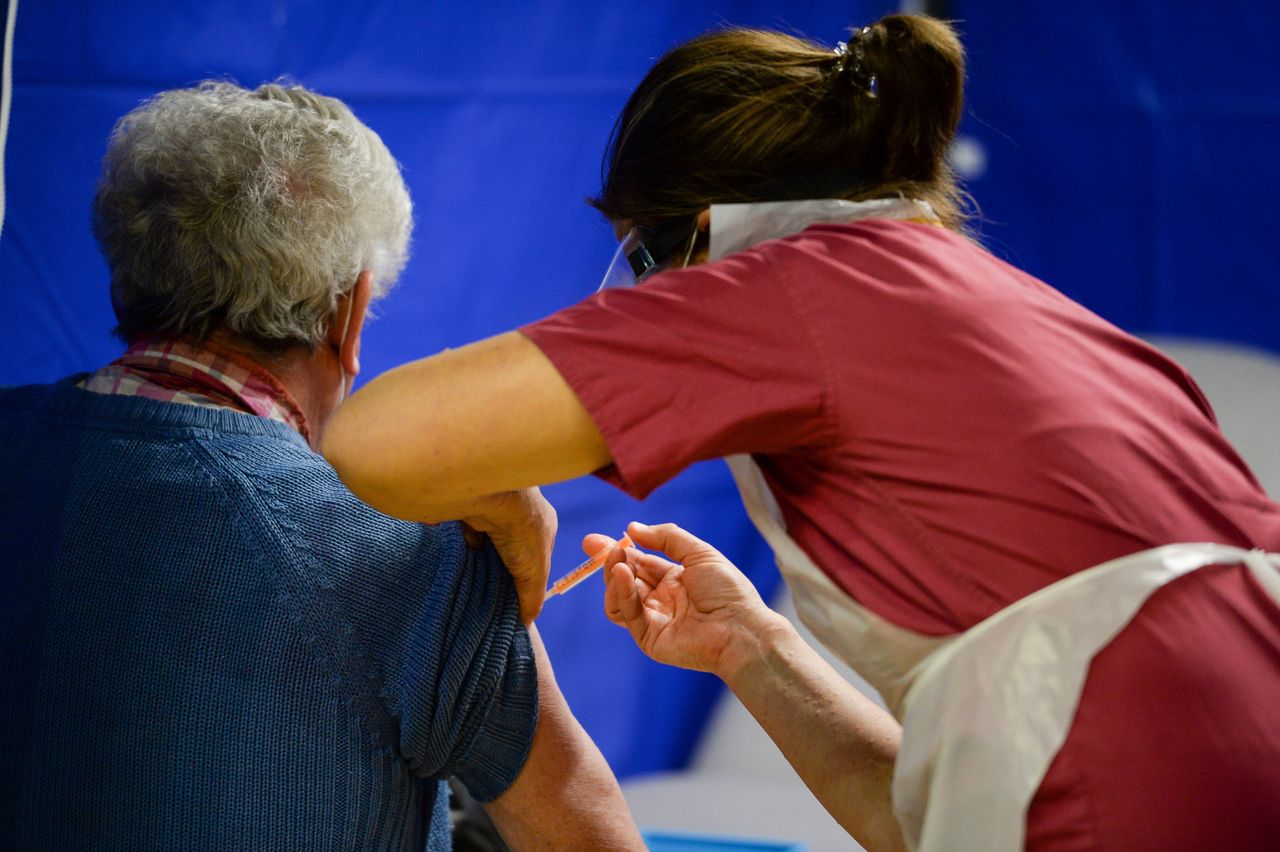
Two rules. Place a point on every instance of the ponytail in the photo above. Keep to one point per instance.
(918, 66)
(751, 115)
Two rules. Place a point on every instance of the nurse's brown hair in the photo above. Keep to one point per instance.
(753, 115)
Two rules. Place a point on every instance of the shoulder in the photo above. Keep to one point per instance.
(302, 498)
(859, 269)
(384, 576)
(18, 400)
(771, 277)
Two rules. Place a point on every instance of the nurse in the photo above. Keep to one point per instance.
(1021, 524)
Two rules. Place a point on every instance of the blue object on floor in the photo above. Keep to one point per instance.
(672, 841)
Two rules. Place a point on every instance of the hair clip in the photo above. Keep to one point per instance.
(853, 50)
(842, 57)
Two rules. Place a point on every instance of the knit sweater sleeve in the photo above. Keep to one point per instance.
(425, 631)
(461, 676)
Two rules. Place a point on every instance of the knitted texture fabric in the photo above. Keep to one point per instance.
(206, 642)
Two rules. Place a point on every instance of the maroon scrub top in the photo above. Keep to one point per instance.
(944, 433)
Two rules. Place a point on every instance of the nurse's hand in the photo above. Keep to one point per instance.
(696, 612)
(522, 526)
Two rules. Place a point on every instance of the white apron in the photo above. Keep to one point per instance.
(983, 712)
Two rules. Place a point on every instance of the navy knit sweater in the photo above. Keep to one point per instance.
(206, 642)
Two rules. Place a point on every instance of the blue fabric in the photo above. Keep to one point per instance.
(207, 643)
(1130, 157)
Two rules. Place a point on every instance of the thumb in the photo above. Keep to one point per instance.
(531, 589)
(530, 576)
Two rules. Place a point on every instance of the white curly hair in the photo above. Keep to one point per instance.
(252, 210)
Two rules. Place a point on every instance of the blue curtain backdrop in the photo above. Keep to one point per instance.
(1123, 152)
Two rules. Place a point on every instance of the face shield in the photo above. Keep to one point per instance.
(644, 251)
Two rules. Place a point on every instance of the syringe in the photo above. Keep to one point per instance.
(585, 570)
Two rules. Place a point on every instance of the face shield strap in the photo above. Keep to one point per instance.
(657, 246)
(643, 251)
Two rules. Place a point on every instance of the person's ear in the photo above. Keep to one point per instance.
(703, 222)
(348, 323)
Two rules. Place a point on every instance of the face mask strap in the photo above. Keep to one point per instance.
(346, 327)
(693, 241)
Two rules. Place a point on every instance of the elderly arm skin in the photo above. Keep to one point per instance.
(466, 435)
(565, 797)
(701, 613)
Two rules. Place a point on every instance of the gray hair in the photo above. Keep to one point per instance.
(251, 210)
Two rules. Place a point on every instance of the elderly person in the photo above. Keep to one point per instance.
(209, 642)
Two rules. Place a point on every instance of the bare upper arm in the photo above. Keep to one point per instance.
(565, 796)
(492, 416)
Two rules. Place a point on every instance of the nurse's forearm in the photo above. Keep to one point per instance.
(840, 743)
(425, 440)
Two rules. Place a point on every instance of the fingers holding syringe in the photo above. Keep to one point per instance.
(623, 602)
(649, 569)
(630, 603)
(626, 589)
(631, 584)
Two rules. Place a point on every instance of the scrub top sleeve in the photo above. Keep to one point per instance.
(690, 365)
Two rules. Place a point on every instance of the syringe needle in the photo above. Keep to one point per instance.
(586, 569)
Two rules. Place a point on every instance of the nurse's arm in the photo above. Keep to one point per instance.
(465, 435)
(702, 613)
